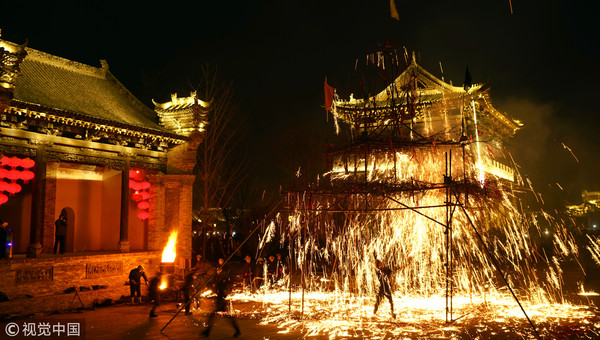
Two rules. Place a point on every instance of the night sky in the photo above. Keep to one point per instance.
(541, 62)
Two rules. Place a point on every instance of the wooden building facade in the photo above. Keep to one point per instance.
(91, 141)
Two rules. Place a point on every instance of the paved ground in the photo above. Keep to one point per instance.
(124, 321)
(132, 322)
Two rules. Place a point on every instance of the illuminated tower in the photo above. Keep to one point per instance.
(424, 184)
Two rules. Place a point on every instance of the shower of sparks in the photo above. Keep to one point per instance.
(336, 241)
(446, 218)
(594, 248)
(571, 151)
(339, 315)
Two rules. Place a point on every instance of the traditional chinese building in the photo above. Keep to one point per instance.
(422, 178)
(99, 156)
(588, 212)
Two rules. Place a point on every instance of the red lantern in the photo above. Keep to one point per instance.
(143, 215)
(13, 188)
(14, 162)
(3, 173)
(143, 205)
(27, 163)
(132, 173)
(3, 186)
(146, 185)
(145, 195)
(14, 175)
(139, 176)
(137, 186)
(4, 160)
(27, 175)
(136, 196)
(3, 198)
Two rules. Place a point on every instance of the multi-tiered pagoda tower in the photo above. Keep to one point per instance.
(424, 184)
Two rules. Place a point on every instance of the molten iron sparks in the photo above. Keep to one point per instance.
(337, 239)
(336, 314)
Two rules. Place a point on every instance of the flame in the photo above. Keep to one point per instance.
(163, 282)
(169, 254)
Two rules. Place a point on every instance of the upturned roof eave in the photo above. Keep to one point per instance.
(75, 115)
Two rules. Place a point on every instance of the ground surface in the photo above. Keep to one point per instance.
(124, 321)
(267, 316)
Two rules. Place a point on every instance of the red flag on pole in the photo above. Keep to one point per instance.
(328, 96)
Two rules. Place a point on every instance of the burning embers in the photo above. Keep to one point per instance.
(167, 265)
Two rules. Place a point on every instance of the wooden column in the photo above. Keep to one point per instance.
(37, 206)
(124, 227)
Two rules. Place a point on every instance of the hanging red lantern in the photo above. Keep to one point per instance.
(143, 215)
(145, 195)
(132, 173)
(27, 163)
(131, 183)
(3, 186)
(143, 205)
(3, 198)
(139, 176)
(27, 175)
(137, 186)
(4, 160)
(14, 162)
(136, 196)
(14, 175)
(146, 185)
(3, 173)
(13, 188)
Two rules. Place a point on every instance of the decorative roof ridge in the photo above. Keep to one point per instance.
(431, 77)
(11, 46)
(73, 66)
(143, 108)
(180, 102)
(35, 107)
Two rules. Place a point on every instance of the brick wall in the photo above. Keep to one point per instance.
(171, 209)
(45, 279)
(182, 158)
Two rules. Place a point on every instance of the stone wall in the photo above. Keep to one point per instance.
(35, 285)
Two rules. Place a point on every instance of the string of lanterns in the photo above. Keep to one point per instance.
(141, 194)
(13, 169)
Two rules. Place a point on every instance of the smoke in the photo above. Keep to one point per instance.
(556, 148)
(530, 142)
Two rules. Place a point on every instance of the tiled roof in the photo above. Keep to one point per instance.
(58, 83)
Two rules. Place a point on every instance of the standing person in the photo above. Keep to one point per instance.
(135, 282)
(154, 293)
(3, 237)
(188, 291)
(223, 266)
(202, 267)
(259, 273)
(384, 275)
(280, 267)
(271, 270)
(221, 286)
(248, 271)
(60, 234)
(3, 234)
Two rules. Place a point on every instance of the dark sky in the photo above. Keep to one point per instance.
(541, 61)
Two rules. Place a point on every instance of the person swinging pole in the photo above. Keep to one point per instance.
(384, 275)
